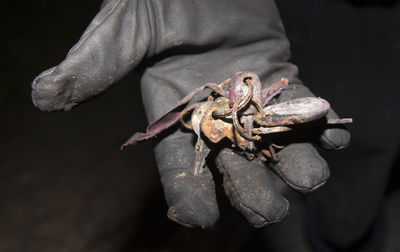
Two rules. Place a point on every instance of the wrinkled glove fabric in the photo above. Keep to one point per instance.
(178, 46)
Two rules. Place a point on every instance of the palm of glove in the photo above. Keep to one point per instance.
(179, 46)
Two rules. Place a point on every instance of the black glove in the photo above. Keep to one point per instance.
(178, 46)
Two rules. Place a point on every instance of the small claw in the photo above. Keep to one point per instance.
(339, 121)
(201, 148)
(134, 139)
(275, 156)
(201, 153)
(269, 130)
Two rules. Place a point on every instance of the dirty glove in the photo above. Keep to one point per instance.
(179, 45)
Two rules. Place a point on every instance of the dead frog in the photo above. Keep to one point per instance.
(238, 109)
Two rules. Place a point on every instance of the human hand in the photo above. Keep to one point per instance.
(178, 46)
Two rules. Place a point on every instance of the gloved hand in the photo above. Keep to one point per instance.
(179, 45)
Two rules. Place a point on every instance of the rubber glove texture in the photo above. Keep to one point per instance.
(178, 46)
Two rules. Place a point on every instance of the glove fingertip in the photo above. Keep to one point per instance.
(302, 168)
(193, 219)
(335, 139)
(51, 91)
(251, 190)
(191, 198)
(279, 214)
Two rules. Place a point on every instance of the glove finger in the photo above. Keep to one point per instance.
(301, 167)
(249, 186)
(333, 138)
(115, 42)
(191, 199)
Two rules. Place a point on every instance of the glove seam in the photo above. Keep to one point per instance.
(302, 189)
(334, 146)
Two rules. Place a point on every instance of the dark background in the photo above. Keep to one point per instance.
(66, 186)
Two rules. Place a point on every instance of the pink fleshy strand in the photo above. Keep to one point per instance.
(272, 90)
(170, 117)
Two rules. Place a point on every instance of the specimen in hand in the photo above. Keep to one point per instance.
(238, 109)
